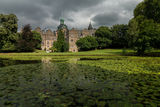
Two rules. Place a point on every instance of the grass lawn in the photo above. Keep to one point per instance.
(94, 52)
(104, 53)
(38, 54)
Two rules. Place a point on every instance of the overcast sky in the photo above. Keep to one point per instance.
(77, 13)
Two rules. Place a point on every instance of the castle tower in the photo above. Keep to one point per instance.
(62, 26)
(90, 26)
(61, 21)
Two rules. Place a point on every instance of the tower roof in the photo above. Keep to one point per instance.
(90, 26)
(62, 21)
(62, 25)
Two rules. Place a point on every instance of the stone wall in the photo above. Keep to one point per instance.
(73, 37)
(48, 37)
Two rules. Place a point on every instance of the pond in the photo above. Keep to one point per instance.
(62, 83)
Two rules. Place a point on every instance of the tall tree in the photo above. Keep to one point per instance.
(37, 39)
(132, 32)
(103, 35)
(26, 41)
(61, 44)
(119, 36)
(144, 28)
(8, 30)
(150, 9)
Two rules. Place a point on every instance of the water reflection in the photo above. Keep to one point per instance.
(46, 60)
(8, 62)
(61, 84)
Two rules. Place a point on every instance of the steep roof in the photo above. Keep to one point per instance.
(90, 26)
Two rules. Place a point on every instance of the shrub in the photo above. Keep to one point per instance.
(87, 43)
(26, 42)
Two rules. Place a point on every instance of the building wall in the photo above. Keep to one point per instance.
(49, 37)
(73, 37)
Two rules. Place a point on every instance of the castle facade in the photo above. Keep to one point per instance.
(71, 36)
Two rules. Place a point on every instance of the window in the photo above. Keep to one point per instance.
(71, 40)
(81, 34)
(42, 43)
(48, 42)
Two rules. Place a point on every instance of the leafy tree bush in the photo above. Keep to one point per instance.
(26, 41)
(37, 39)
(60, 45)
(132, 32)
(103, 35)
(8, 31)
(87, 43)
(144, 28)
(150, 9)
(10, 45)
(119, 36)
(3, 34)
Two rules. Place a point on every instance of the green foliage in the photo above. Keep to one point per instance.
(26, 41)
(9, 22)
(37, 39)
(55, 46)
(87, 43)
(3, 34)
(132, 32)
(139, 10)
(144, 31)
(103, 42)
(155, 34)
(146, 34)
(150, 9)
(60, 45)
(8, 31)
(103, 35)
(103, 32)
(119, 36)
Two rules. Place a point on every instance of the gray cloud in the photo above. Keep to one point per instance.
(77, 13)
(106, 19)
(118, 12)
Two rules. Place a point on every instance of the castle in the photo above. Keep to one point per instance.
(71, 36)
